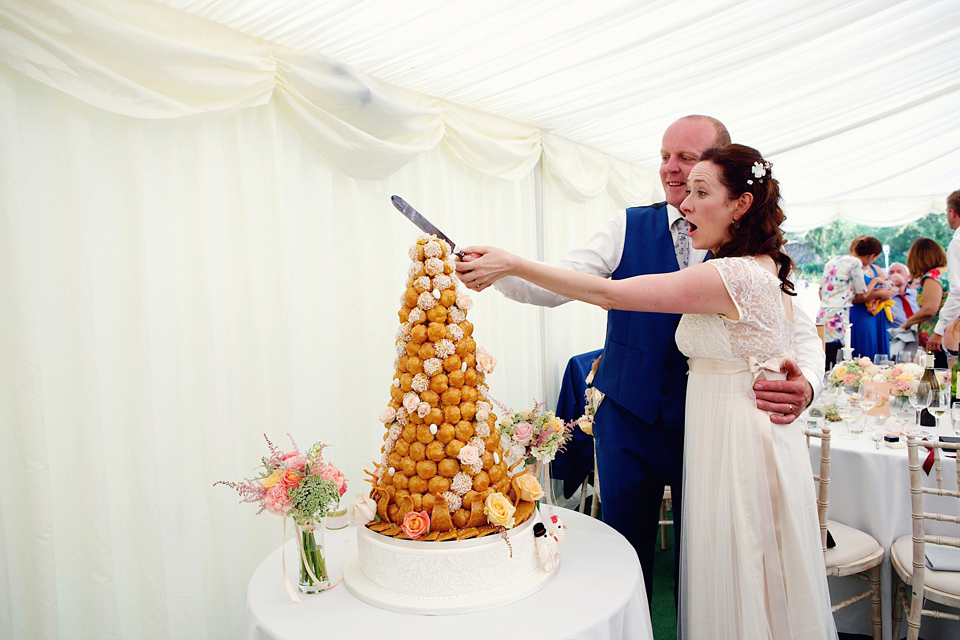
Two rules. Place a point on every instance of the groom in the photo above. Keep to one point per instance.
(639, 425)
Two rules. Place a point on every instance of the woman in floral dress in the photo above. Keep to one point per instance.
(928, 264)
(845, 284)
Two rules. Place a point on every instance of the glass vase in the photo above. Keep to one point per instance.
(314, 577)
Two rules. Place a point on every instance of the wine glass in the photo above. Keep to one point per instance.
(849, 411)
(901, 411)
(921, 394)
(939, 405)
(955, 416)
(881, 360)
(869, 398)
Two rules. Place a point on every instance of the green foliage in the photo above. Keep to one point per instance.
(813, 248)
(314, 496)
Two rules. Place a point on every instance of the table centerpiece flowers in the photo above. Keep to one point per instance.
(532, 437)
(304, 487)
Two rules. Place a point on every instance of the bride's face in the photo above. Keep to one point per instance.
(708, 207)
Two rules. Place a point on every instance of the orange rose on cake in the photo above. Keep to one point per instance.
(528, 488)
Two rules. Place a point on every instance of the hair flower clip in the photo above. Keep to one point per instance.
(759, 170)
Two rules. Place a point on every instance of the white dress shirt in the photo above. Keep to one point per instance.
(601, 256)
(951, 307)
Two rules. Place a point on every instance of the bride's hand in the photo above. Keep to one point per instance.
(482, 266)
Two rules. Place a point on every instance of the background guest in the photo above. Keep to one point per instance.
(950, 310)
(869, 334)
(927, 262)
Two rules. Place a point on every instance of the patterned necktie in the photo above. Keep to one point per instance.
(682, 244)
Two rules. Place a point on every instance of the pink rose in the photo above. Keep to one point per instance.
(277, 501)
(485, 361)
(416, 524)
(411, 401)
(296, 463)
(469, 455)
(387, 415)
(363, 510)
(523, 433)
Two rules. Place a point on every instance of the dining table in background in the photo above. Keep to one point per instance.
(870, 491)
(597, 594)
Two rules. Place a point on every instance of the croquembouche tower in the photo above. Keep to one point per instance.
(441, 455)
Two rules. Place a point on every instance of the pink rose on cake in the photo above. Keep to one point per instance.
(499, 511)
(485, 361)
(469, 455)
(387, 415)
(528, 488)
(416, 524)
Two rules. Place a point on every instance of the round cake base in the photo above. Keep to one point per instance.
(439, 606)
(507, 580)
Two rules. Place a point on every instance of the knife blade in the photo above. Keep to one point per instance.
(422, 223)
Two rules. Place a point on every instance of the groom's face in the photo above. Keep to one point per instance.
(683, 142)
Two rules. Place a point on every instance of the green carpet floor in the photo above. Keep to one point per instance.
(663, 615)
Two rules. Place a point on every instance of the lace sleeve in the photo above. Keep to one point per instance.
(762, 328)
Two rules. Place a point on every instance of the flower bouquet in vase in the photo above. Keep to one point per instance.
(304, 487)
(533, 437)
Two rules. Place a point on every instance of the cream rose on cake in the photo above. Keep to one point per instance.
(528, 488)
(499, 511)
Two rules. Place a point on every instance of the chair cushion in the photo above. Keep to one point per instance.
(852, 545)
(946, 581)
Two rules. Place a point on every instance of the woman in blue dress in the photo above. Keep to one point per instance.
(869, 335)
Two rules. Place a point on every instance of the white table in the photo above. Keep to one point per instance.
(870, 490)
(598, 594)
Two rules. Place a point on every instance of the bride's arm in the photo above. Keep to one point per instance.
(696, 289)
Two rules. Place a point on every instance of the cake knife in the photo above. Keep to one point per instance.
(425, 225)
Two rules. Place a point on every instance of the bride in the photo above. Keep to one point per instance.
(751, 560)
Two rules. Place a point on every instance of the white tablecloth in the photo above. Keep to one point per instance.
(598, 594)
(870, 490)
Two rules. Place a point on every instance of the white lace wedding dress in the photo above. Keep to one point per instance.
(751, 561)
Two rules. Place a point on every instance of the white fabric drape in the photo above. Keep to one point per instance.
(141, 59)
(172, 289)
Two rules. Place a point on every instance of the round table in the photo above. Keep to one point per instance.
(870, 490)
(598, 593)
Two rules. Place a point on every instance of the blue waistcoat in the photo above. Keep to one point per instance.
(642, 369)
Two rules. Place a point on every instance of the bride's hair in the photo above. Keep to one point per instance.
(757, 232)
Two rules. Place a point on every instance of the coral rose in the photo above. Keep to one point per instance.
(416, 524)
(528, 488)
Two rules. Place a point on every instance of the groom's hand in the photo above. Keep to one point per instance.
(784, 399)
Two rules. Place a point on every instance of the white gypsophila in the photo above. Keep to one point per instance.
(415, 269)
(432, 366)
(403, 332)
(443, 348)
(422, 283)
(482, 429)
(426, 301)
(416, 316)
(442, 282)
(456, 315)
(455, 332)
(401, 349)
(433, 266)
(453, 500)
(461, 483)
(395, 430)
(402, 417)
(420, 383)
(412, 252)
(432, 249)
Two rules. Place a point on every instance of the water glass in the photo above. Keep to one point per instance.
(921, 394)
(955, 417)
